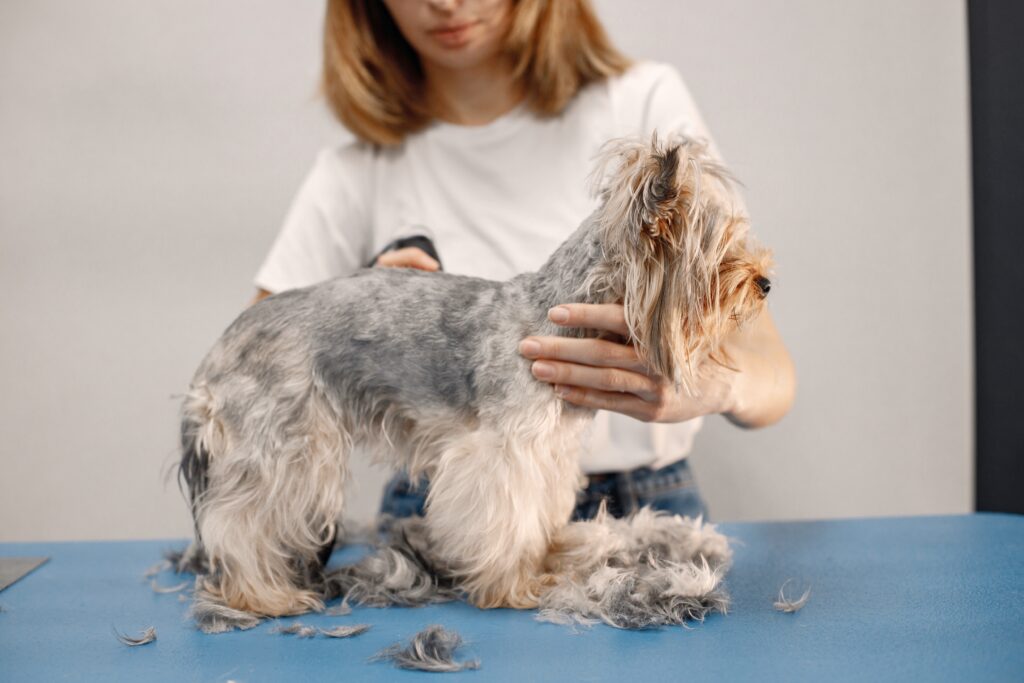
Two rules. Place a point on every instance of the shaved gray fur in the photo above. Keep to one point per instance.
(432, 649)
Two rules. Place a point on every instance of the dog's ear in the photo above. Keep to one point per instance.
(655, 213)
(664, 240)
(654, 210)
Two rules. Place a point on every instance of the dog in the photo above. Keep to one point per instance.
(423, 370)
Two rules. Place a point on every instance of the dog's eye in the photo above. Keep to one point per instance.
(764, 284)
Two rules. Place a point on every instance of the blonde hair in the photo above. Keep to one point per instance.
(373, 80)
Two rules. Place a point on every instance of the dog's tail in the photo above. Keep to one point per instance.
(198, 427)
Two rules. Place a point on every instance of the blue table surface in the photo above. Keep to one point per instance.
(921, 598)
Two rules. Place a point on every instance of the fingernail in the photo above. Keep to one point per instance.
(529, 348)
(542, 370)
(561, 391)
(558, 314)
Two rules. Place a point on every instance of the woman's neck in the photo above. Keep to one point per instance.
(472, 97)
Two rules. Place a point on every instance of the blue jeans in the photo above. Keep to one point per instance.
(670, 488)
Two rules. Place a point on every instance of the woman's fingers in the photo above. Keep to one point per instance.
(606, 317)
(603, 379)
(626, 404)
(595, 352)
(409, 257)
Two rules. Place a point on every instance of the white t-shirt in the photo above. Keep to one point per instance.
(496, 200)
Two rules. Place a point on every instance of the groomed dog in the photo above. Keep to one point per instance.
(423, 369)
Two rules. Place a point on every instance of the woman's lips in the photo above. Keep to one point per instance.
(455, 35)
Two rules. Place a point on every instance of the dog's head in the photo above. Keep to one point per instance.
(676, 252)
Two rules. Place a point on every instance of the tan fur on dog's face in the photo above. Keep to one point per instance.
(677, 253)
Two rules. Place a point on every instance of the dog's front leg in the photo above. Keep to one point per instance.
(493, 507)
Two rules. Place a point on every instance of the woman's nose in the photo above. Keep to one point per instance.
(445, 6)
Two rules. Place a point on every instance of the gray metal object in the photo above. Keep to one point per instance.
(14, 568)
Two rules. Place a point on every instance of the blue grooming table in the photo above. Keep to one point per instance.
(905, 599)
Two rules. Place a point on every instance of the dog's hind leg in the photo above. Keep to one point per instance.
(271, 495)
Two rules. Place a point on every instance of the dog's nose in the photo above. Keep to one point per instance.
(765, 284)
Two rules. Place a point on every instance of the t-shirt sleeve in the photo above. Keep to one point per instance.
(327, 230)
(652, 97)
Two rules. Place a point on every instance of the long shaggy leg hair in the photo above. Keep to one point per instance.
(423, 370)
(262, 520)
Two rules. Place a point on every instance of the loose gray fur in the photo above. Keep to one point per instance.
(172, 561)
(432, 649)
(400, 572)
(211, 616)
(647, 571)
(191, 560)
(176, 588)
(147, 636)
(345, 631)
(157, 568)
(789, 605)
(340, 610)
(651, 570)
(297, 629)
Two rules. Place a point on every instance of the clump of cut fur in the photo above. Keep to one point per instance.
(432, 649)
(650, 570)
(789, 605)
(345, 631)
(213, 616)
(297, 629)
(646, 571)
(399, 572)
(146, 637)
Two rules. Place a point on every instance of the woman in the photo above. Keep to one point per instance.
(475, 124)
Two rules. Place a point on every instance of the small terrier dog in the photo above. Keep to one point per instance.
(423, 370)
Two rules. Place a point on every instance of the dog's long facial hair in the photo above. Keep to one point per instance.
(423, 370)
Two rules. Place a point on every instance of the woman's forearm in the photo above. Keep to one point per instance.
(763, 380)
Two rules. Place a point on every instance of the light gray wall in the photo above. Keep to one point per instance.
(148, 152)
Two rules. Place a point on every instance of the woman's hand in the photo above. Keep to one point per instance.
(607, 375)
(409, 257)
